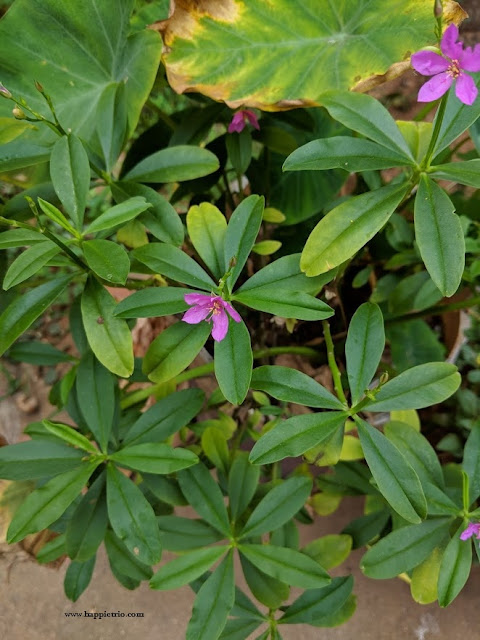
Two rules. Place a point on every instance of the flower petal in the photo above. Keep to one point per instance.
(473, 529)
(429, 63)
(233, 313)
(195, 314)
(449, 45)
(435, 87)
(220, 326)
(237, 124)
(465, 89)
(252, 118)
(197, 298)
(470, 59)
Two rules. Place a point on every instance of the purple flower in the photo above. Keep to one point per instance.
(473, 529)
(212, 309)
(241, 118)
(445, 69)
(4, 91)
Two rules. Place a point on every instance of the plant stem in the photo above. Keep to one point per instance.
(206, 369)
(337, 383)
(436, 129)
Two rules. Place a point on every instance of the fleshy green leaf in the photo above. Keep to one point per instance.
(242, 484)
(154, 458)
(364, 347)
(29, 262)
(109, 337)
(455, 568)
(297, 304)
(471, 461)
(87, 527)
(107, 259)
(329, 551)
(466, 172)
(57, 216)
(348, 227)
(70, 435)
(314, 604)
(132, 517)
(404, 549)
(395, 478)
(47, 503)
(288, 565)
(233, 362)
(296, 435)
(77, 578)
(278, 506)
(267, 590)
(174, 164)
(153, 303)
(70, 173)
(123, 562)
(37, 459)
(418, 387)
(174, 349)
(119, 214)
(186, 568)
(439, 236)
(112, 122)
(185, 534)
(25, 309)
(206, 227)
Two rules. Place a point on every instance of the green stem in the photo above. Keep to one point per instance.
(436, 129)
(206, 369)
(337, 382)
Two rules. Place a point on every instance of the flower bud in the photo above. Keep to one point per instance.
(19, 114)
(39, 87)
(384, 378)
(4, 91)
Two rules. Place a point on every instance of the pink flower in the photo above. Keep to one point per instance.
(241, 118)
(212, 309)
(473, 529)
(445, 69)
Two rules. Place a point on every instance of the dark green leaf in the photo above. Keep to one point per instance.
(267, 590)
(39, 353)
(233, 362)
(185, 534)
(471, 461)
(467, 172)
(154, 457)
(123, 562)
(112, 122)
(88, 524)
(70, 435)
(314, 604)
(455, 568)
(29, 262)
(239, 628)
(77, 578)
(37, 459)
(174, 164)
(186, 568)
(118, 215)
(242, 484)
(53, 550)
(107, 259)
(297, 304)
(153, 303)
(165, 489)
(366, 528)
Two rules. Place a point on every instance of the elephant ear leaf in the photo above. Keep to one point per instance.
(340, 47)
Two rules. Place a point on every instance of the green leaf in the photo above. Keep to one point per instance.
(299, 305)
(123, 562)
(471, 461)
(70, 173)
(241, 234)
(174, 349)
(314, 604)
(53, 550)
(423, 586)
(96, 397)
(364, 347)
(165, 489)
(20, 238)
(296, 435)
(166, 417)
(20, 154)
(404, 549)
(29, 262)
(57, 216)
(395, 478)
(118, 215)
(213, 603)
(340, 47)
(109, 337)
(112, 122)
(455, 568)
(153, 303)
(207, 227)
(267, 590)
(419, 387)
(154, 457)
(174, 164)
(278, 506)
(329, 551)
(37, 459)
(77, 578)
(185, 534)
(87, 527)
(290, 385)
(11, 129)
(25, 309)
(287, 565)
(239, 149)
(266, 247)
(343, 152)
(186, 568)
(242, 484)
(417, 451)
(107, 260)
(70, 435)
(46, 504)
(348, 227)
(89, 48)
(286, 273)
(439, 236)
(161, 219)
(239, 628)
(467, 172)
(367, 116)
(365, 528)
(214, 445)
(132, 517)
(175, 264)
(204, 494)
(233, 362)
